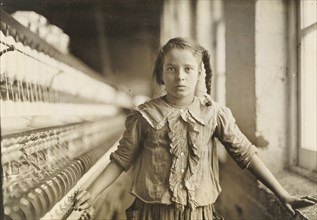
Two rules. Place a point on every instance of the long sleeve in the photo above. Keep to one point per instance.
(130, 144)
(235, 142)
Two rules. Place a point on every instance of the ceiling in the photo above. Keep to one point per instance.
(91, 23)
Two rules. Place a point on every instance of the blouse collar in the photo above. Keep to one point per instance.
(156, 111)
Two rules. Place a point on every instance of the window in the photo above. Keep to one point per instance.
(307, 68)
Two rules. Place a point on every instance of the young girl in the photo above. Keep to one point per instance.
(170, 143)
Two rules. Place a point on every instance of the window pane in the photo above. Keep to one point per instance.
(308, 91)
(308, 12)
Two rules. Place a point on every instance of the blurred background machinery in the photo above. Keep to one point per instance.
(58, 118)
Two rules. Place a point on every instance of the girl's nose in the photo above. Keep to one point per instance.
(180, 75)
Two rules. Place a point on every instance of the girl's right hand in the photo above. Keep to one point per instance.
(83, 200)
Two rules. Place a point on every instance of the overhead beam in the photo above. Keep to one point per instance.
(101, 29)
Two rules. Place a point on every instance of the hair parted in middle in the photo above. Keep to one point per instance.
(188, 44)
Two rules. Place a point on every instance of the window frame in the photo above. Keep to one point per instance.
(302, 161)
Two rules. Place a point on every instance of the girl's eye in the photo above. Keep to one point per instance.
(188, 69)
(170, 69)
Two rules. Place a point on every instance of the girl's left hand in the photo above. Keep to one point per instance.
(292, 202)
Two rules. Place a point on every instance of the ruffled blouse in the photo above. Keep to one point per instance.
(173, 151)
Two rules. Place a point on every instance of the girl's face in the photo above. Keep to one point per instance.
(180, 75)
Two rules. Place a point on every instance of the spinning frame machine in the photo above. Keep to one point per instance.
(59, 122)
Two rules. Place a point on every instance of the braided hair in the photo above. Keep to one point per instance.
(182, 43)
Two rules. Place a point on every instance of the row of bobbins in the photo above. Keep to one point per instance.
(34, 203)
(34, 80)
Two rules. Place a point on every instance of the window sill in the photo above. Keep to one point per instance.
(298, 185)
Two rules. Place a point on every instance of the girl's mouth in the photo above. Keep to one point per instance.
(180, 86)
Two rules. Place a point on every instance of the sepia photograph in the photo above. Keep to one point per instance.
(158, 109)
